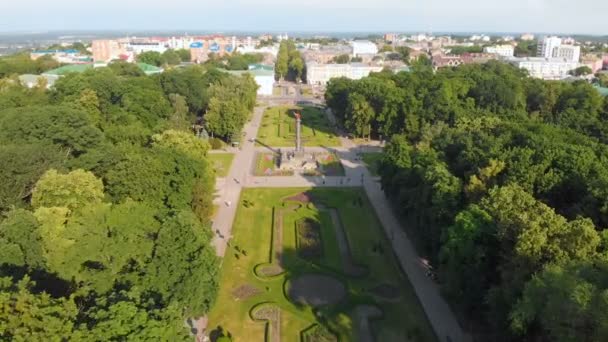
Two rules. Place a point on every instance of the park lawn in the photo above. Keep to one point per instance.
(278, 127)
(252, 232)
(372, 160)
(331, 165)
(265, 162)
(221, 163)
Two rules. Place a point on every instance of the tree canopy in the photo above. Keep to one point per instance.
(102, 181)
(501, 181)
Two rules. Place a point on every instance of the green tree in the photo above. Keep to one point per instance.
(171, 57)
(20, 243)
(123, 68)
(341, 59)
(151, 57)
(581, 71)
(190, 277)
(361, 115)
(22, 166)
(27, 316)
(64, 126)
(183, 142)
(74, 190)
(184, 54)
(567, 302)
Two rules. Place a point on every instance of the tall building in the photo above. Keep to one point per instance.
(569, 52)
(106, 50)
(547, 45)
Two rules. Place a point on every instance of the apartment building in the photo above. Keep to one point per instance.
(363, 47)
(505, 50)
(545, 68)
(320, 74)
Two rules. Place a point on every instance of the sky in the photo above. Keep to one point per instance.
(548, 16)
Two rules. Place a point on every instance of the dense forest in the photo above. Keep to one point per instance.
(502, 182)
(105, 201)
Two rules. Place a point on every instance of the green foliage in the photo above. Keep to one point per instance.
(22, 166)
(290, 64)
(567, 302)
(235, 61)
(216, 143)
(21, 63)
(116, 259)
(341, 59)
(14, 94)
(526, 48)
(192, 83)
(74, 190)
(501, 180)
(188, 277)
(26, 315)
(64, 126)
(226, 114)
(20, 240)
(171, 57)
(581, 71)
(184, 54)
(182, 142)
(460, 50)
(151, 57)
(122, 68)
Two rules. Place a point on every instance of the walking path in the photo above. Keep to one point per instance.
(437, 310)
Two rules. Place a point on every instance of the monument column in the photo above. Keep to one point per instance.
(298, 132)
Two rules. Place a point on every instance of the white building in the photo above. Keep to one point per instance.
(139, 47)
(177, 43)
(545, 68)
(569, 52)
(527, 36)
(500, 50)
(363, 47)
(547, 45)
(263, 76)
(320, 74)
(555, 47)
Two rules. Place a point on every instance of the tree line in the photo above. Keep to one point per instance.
(501, 180)
(290, 64)
(105, 202)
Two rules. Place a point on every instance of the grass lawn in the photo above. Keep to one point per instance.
(265, 162)
(372, 160)
(278, 127)
(221, 162)
(243, 288)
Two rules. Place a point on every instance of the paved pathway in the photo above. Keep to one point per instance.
(228, 189)
(438, 312)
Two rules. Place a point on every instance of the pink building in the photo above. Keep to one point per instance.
(594, 63)
(106, 50)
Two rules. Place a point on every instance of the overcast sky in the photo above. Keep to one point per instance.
(559, 16)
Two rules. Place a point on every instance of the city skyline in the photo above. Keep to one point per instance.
(582, 17)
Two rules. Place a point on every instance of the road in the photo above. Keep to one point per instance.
(438, 312)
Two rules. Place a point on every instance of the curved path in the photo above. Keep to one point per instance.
(348, 264)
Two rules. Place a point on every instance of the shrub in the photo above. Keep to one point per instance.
(216, 143)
